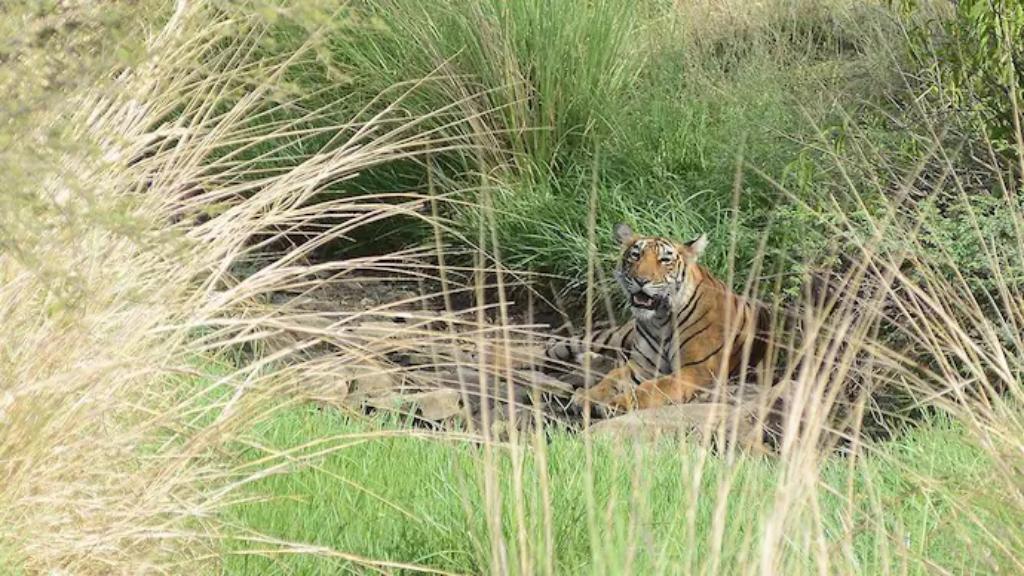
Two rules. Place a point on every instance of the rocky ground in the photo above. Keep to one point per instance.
(459, 368)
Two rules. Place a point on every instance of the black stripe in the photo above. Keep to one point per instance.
(626, 339)
(629, 333)
(742, 324)
(670, 360)
(560, 351)
(691, 306)
(695, 334)
(664, 321)
(650, 363)
(696, 320)
(735, 350)
(702, 360)
(632, 376)
(647, 338)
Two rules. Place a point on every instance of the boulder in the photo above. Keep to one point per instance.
(718, 421)
(434, 405)
(367, 381)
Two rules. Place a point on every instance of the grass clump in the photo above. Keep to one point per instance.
(658, 97)
(120, 248)
(661, 508)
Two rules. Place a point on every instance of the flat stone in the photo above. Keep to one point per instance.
(434, 405)
(478, 385)
(363, 382)
(437, 404)
(693, 419)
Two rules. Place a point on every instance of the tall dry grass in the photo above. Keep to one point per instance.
(156, 249)
(121, 286)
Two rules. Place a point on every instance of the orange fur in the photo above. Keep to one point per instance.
(694, 332)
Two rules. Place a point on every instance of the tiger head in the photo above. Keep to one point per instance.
(656, 273)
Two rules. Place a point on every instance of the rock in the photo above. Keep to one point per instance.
(721, 421)
(350, 386)
(435, 405)
(374, 383)
(368, 381)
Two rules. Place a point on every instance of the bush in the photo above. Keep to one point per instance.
(980, 64)
(664, 100)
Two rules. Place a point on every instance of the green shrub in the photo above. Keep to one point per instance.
(979, 60)
(986, 62)
(537, 76)
(650, 106)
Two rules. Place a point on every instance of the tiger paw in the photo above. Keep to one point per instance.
(617, 406)
(579, 402)
(583, 403)
(606, 411)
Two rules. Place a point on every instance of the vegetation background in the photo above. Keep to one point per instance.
(172, 168)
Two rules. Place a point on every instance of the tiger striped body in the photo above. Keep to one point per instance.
(688, 329)
(613, 342)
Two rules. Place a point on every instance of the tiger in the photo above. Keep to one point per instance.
(687, 330)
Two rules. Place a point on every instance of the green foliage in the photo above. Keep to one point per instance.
(536, 76)
(980, 60)
(646, 106)
(407, 499)
(975, 236)
(566, 99)
(986, 61)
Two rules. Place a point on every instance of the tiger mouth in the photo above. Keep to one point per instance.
(641, 300)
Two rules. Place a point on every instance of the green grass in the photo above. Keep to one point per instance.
(423, 501)
(662, 105)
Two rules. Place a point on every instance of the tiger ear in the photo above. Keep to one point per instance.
(697, 245)
(623, 233)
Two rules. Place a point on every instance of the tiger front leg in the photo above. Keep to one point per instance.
(671, 389)
(613, 384)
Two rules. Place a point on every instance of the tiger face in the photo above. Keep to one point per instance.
(655, 272)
